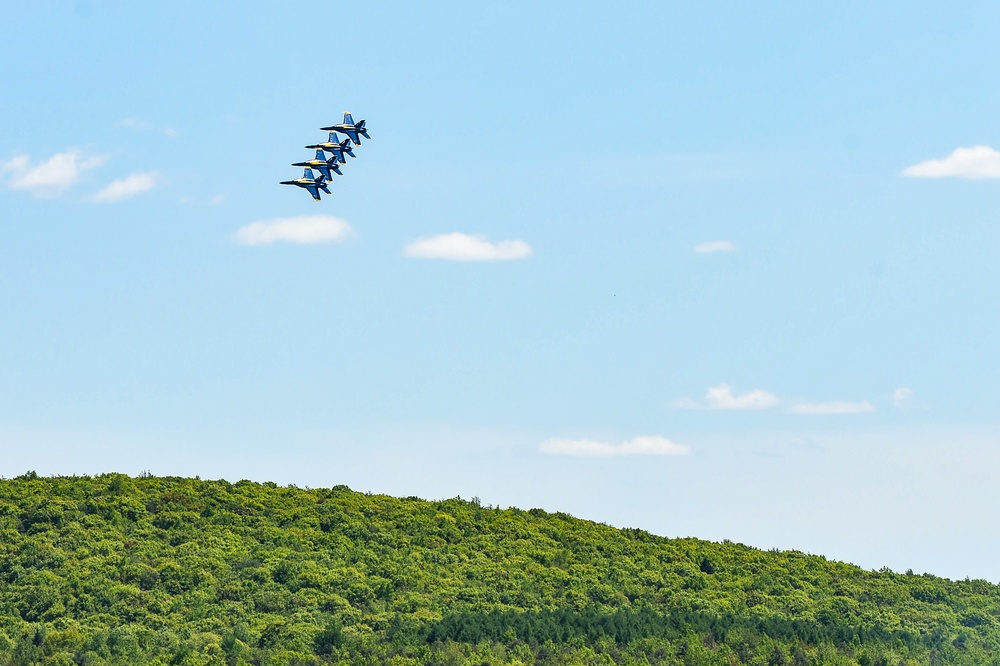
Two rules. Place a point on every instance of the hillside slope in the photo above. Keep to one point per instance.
(120, 570)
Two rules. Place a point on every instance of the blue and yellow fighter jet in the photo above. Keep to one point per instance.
(323, 165)
(338, 150)
(354, 130)
(314, 185)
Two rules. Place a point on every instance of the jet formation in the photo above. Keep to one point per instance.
(338, 151)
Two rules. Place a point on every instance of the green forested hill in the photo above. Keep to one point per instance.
(120, 570)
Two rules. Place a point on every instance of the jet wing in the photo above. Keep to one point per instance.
(313, 190)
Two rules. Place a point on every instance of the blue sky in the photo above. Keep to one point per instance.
(717, 270)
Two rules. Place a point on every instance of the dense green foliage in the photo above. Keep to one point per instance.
(120, 570)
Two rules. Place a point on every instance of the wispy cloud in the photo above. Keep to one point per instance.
(710, 247)
(133, 123)
(975, 163)
(836, 407)
(648, 445)
(902, 398)
(722, 397)
(141, 125)
(50, 177)
(301, 230)
(123, 188)
(464, 247)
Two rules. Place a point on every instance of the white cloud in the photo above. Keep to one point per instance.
(463, 247)
(648, 445)
(836, 407)
(975, 163)
(302, 230)
(17, 163)
(902, 397)
(50, 177)
(124, 188)
(722, 397)
(709, 247)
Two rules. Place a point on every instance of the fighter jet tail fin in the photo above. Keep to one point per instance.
(321, 183)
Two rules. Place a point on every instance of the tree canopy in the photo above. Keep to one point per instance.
(164, 570)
